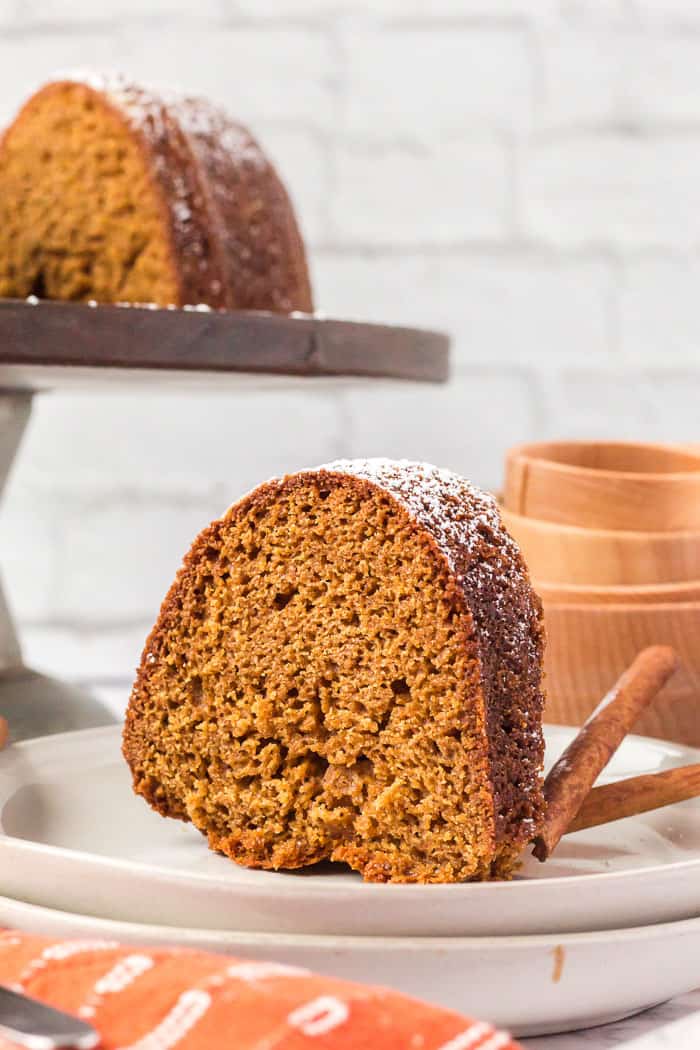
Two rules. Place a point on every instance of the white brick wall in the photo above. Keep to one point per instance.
(522, 173)
(658, 304)
(623, 190)
(412, 194)
(630, 75)
(426, 83)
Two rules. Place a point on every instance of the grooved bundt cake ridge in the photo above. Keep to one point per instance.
(116, 192)
(348, 666)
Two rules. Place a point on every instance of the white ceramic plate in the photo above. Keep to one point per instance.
(529, 985)
(75, 838)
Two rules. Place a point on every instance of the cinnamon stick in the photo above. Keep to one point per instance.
(4, 732)
(574, 774)
(627, 798)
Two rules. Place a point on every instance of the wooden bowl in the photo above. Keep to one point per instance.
(569, 554)
(589, 646)
(649, 594)
(605, 485)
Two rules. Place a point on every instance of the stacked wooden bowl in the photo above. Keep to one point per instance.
(611, 535)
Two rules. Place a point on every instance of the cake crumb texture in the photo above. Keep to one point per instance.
(348, 668)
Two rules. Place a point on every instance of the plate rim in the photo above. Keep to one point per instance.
(649, 931)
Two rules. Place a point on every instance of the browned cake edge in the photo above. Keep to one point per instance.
(264, 258)
(485, 574)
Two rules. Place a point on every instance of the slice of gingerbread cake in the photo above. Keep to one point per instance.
(111, 191)
(348, 667)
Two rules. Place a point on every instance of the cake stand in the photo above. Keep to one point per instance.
(51, 346)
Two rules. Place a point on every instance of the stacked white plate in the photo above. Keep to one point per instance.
(608, 926)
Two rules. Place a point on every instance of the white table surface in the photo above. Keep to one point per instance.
(672, 1026)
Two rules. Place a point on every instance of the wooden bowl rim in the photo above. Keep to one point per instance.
(624, 590)
(603, 534)
(528, 453)
(628, 608)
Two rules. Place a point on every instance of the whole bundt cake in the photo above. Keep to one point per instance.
(349, 667)
(112, 192)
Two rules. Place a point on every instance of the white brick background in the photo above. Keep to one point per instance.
(522, 173)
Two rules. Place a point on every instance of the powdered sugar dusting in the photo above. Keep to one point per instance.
(207, 122)
(458, 513)
(143, 107)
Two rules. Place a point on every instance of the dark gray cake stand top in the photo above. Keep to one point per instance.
(48, 344)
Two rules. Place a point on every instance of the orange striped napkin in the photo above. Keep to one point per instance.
(144, 999)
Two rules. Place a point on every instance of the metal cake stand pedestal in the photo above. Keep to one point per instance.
(49, 346)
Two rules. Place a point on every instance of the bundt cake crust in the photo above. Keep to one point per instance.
(233, 238)
(498, 624)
